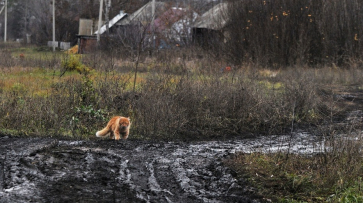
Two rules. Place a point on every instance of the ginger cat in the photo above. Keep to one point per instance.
(116, 126)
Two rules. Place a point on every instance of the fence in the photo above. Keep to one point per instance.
(61, 45)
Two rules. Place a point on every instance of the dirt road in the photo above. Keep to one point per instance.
(53, 170)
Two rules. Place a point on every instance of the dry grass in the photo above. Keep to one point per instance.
(203, 103)
(333, 176)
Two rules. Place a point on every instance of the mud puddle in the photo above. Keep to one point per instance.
(52, 170)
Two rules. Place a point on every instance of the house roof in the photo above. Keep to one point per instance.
(168, 18)
(112, 22)
(175, 18)
(215, 18)
(144, 14)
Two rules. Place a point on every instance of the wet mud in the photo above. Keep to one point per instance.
(52, 170)
(103, 170)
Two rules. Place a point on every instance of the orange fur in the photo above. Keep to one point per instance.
(117, 126)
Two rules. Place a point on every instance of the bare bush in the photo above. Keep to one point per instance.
(166, 105)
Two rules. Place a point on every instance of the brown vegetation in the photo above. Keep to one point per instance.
(188, 97)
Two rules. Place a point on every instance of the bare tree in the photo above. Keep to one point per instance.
(132, 43)
(287, 32)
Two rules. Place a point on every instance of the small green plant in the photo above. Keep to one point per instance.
(87, 94)
(73, 63)
(86, 90)
(84, 117)
(352, 194)
(18, 87)
(91, 112)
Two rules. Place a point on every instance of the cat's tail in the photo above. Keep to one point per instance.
(103, 132)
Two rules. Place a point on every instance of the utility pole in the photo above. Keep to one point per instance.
(6, 19)
(152, 22)
(53, 25)
(99, 22)
(107, 18)
(26, 21)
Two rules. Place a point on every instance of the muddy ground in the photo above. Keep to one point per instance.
(53, 170)
(103, 170)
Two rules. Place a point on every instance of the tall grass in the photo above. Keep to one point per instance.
(165, 105)
(172, 100)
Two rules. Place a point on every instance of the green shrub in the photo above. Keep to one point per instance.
(73, 62)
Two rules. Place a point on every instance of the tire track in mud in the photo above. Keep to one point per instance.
(2, 173)
(51, 170)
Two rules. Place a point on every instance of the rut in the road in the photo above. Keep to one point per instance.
(108, 171)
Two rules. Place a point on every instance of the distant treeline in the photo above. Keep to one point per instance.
(288, 32)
